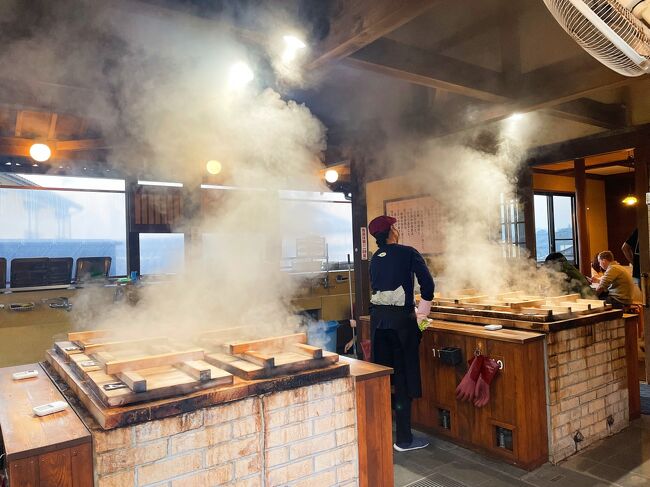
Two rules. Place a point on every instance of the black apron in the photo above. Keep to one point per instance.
(403, 321)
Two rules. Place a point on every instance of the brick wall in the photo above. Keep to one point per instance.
(588, 383)
(304, 436)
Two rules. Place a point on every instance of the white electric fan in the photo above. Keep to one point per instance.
(608, 31)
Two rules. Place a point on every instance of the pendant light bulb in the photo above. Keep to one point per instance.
(331, 175)
(630, 200)
(40, 152)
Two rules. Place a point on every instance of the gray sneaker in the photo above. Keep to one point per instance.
(415, 444)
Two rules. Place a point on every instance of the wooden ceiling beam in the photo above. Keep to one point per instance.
(81, 145)
(22, 144)
(548, 88)
(43, 96)
(425, 68)
(356, 23)
(51, 133)
(623, 163)
(421, 67)
(591, 112)
(623, 139)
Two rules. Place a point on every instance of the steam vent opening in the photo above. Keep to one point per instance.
(324, 243)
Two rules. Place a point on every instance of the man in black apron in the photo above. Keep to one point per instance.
(394, 320)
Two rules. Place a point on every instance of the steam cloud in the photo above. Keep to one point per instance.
(161, 95)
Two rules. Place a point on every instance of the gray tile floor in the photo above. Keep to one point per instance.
(621, 460)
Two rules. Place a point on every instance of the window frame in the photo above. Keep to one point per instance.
(550, 216)
(82, 190)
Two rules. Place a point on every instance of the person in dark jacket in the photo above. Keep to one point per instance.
(394, 320)
(574, 281)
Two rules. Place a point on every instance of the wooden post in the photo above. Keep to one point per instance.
(133, 237)
(584, 252)
(641, 162)
(359, 221)
(526, 198)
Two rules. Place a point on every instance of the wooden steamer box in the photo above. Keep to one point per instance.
(513, 424)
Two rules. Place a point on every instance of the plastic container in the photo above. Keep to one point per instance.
(322, 334)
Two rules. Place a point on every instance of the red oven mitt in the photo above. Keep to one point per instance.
(465, 390)
(489, 370)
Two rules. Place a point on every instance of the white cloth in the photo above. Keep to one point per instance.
(389, 298)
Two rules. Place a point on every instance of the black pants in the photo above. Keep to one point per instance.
(615, 302)
(388, 351)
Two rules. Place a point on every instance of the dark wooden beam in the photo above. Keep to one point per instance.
(552, 86)
(422, 67)
(591, 112)
(425, 68)
(622, 139)
(356, 23)
(44, 96)
(595, 177)
(81, 145)
(569, 172)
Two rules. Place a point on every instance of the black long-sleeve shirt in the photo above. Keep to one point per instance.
(395, 265)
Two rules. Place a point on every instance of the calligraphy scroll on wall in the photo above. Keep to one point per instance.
(421, 221)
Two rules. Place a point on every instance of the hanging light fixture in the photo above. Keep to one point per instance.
(40, 152)
(630, 199)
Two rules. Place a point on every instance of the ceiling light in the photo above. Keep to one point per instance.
(630, 200)
(213, 167)
(331, 175)
(516, 117)
(40, 152)
(240, 75)
(7, 163)
(291, 47)
(160, 183)
(34, 165)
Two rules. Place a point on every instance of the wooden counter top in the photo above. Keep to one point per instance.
(362, 370)
(502, 335)
(115, 417)
(542, 327)
(25, 434)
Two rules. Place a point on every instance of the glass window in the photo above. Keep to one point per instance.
(513, 227)
(555, 226)
(70, 221)
(316, 229)
(162, 253)
(325, 228)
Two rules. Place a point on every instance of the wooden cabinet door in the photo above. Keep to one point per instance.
(447, 379)
(55, 469)
(82, 465)
(423, 413)
(24, 473)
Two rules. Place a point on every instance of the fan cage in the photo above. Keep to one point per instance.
(623, 23)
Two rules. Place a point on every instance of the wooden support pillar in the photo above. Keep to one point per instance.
(133, 237)
(641, 162)
(584, 253)
(359, 222)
